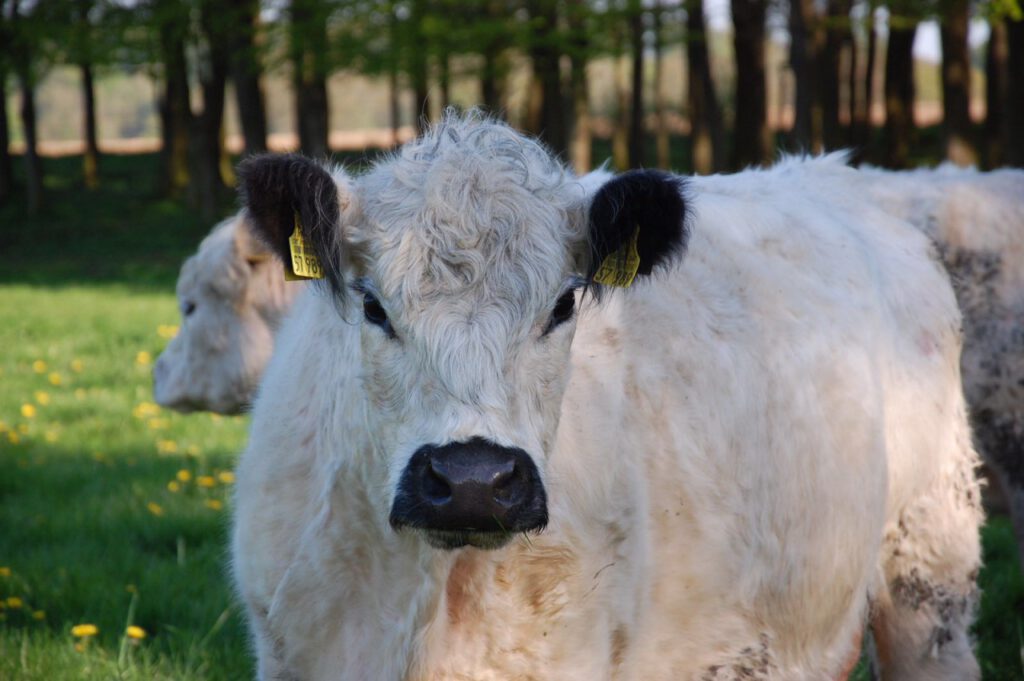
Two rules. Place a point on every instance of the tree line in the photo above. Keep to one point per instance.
(194, 48)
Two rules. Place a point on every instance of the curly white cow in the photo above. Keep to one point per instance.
(233, 296)
(977, 219)
(469, 459)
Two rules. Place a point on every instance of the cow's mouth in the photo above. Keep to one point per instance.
(449, 540)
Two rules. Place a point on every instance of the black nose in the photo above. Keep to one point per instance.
(473, 486)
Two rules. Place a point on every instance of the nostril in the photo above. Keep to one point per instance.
(507, 486)
(436, 487)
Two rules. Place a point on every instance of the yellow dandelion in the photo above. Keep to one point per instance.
(4, 427)
(192, 450)
(166, 446)
(173, 486)
(131, 588)
(23, 428)
(51, 436)
(14, 603)
(143, 410)
(216, 418)
(84, 630)
(214, 504)
(13, 438)
(226, 477)
(79, 393)
(137, 633)
(77, 366)
(55, 378)
(155, 508)
(28, 410)
(39, 366)
(5, 571)
(206, 481)
(167, 331)
(184, 475)
(143, 358)
(42, 397)
(39, 615)
(158, 424)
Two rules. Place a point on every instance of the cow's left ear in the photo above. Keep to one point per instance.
(281, 191)
(647, 205)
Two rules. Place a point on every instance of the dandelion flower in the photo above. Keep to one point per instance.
(80, 393)
(155, 508)
(4, 427)
(166, 446)
(39, 615)
(144, 410)
(173, 486)
(143, 358)
(28, 410)
(5, 571)
(13, 438)
(134, 632)
(39, 366)
(184, 475)
(158, 424)
(51, 436)
(131, 588)
(23, 427)
(167, 331)
(55, 378)
(206, 481)
(42, 397)
(192, 450)
(77, 366)
(214, 504)
(84, 630)
(14, 603)
(226, 477)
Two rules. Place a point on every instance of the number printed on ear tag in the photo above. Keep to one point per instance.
(620, 267)
(304, 264)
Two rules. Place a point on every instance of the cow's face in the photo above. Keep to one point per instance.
(229, 295)
(464, 258)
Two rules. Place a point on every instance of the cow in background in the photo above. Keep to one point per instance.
(232, 296)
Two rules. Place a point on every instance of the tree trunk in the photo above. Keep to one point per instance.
(620, 131)
(864, 93)
(662, 142)
(309, 58)
(245, 72)
(581, 145)
(492, 77)
(91, 158)
(33, 165)
(445, 79)
(1015, 93)
(6, 166)
(207, 186)
(836, 34)
(956, 84)
(899, 94)
(418, 67)
(636, 109)
(707, 133)
(175, 111)
(996, 86)
(804, 49)
(753, 139)
(545, 57)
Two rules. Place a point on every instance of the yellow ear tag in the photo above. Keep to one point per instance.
(620, 267)
(304, 264)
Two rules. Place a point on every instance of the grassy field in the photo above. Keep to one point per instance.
(114, 512)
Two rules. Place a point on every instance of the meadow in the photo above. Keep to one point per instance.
(114, 512)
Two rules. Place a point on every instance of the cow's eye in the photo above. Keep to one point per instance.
(375, 314)
(187, 308)
(564, 308)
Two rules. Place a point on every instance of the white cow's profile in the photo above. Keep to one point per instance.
(463, 464)
(232, 296)
(977, 220)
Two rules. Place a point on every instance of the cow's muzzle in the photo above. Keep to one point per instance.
(475, 492)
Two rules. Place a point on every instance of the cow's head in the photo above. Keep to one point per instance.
(231, 294)
(464, 257)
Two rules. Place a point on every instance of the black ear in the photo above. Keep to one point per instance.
(646, 202)
(276, 187)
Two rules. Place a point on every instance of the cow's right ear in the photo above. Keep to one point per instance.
(276, 188)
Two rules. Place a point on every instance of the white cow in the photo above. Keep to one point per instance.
(977, 220)
(232, 296)
(465, 464)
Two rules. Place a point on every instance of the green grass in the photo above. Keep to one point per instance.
(85, 288)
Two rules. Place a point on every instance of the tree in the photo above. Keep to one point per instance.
(804, 50)
(245, 70)
(636, 108)
(996, 88)
(205, 138)
(25, 35)
(753, 139)
(706, 129)
(309, 54)
(837, 34)
(1015, 92)
(899, 90)
(579, 49)
(547, 110)
(662, 142)
(956, 81)
(863, 89)
(171, 19)
(6, 167)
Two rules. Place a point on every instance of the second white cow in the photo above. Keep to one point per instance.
(463, 465)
